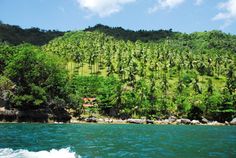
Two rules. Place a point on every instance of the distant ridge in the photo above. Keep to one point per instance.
(15, 35)
(142, 35)
(208, 40)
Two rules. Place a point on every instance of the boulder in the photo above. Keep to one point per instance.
(136, 121)
(8, 115)
(195, 122)
(165, 121)
(186, 121)
(172, 119)
(178, 121)
(149, 122)
(227, 123)
(91, 119)
(204, 120)
(215, 123)
(233, 122)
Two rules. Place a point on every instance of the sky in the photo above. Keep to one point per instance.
(180, 15)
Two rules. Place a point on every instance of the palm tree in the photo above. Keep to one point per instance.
(196, 86)
(180, 86)
(218, 65)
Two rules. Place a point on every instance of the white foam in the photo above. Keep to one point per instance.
(61, 153)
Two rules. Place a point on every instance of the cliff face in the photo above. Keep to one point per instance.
(42, 115)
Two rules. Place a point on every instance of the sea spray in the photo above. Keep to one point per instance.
(53, 153)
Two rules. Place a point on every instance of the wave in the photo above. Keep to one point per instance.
(21, 153)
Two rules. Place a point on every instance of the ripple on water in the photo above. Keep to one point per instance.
(132, 141)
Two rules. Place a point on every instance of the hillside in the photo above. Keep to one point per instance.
(211, 40)
(142, 35)
(161, 77)
(185, 75)
(16, 35)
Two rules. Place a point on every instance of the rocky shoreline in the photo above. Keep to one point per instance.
(169, 121)
(130, 121)
(15, 116)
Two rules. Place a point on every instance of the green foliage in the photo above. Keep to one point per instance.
(6, 52)
(39, 77)
(161, 65)
(5, 83)
(129, 35)
(174, 74)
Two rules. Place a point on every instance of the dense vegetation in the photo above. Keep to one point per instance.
(15, 35)
(142, 35)
(183, 75)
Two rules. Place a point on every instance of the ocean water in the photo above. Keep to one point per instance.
(108, 141)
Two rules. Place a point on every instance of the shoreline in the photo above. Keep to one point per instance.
(125, 122)
(148, 122)
(36, 116)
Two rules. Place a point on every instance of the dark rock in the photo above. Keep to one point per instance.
(185, 121)
(233, 122)
(136, 121)
(8, 115)
(204, 120)
(195, 113)
(32, 116)
(60, 115)
(91, 119)
(39, 115)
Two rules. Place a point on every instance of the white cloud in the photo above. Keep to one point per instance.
(229, 13)
(165, 4)
(103, 8)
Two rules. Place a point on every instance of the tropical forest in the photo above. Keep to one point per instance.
(130, 74)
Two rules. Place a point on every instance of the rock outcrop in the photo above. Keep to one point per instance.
(40, 115)
(136, 121)
(149, 122)
(195, 122)
(233, 122)
(204, 120)
(186, 121)
(91, 119)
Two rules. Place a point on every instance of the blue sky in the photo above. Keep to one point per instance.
(179, 15)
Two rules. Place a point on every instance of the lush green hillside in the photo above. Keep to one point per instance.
(142, 35)
(200, 41)
(184, 75)
(15, 35)
(164, 77)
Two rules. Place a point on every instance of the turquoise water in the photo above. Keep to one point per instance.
(105, 141)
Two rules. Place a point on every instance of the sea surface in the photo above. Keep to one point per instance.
(115, 141)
